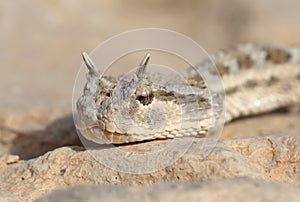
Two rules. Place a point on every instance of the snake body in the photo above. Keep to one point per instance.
(138, 107)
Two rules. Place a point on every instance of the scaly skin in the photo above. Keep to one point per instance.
(256, 79)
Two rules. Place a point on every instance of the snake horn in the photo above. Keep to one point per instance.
(89, 64)
(142, 66)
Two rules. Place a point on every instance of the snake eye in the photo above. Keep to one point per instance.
(144, 95)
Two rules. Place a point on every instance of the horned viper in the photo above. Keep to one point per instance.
(256, 79)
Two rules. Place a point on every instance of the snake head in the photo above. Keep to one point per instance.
(115, 108)
(141, 105)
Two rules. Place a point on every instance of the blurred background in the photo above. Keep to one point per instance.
(41, 41)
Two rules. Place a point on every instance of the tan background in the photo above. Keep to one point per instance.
(41, 41)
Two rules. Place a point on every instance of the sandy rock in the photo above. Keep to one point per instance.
(32, 134)
(7, 159)
(238, 189)
(272, 158)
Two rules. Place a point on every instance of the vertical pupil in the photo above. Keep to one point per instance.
(144, 96)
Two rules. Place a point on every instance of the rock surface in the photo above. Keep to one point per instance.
(270, 158)
(234, 190)
(33, 133)
(33, 161)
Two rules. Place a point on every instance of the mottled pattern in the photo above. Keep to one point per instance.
(256, 79)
